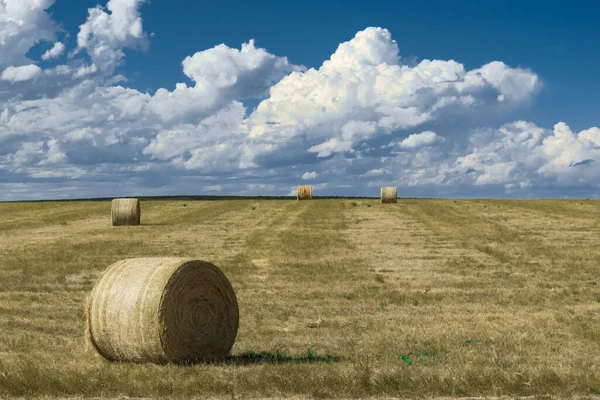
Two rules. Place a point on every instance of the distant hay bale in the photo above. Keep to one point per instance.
(125, 212)
(304, 192)
(162, 310)
(389, 195)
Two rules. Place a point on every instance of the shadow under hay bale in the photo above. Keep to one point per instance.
(125, 212)
(304, 192)
(162, 310)
(389, 195)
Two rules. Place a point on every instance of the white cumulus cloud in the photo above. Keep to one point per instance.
(54, 52)
(360, 120)
(23, 23)
(220, 75)
(363, 83)
(419, 139)
(105, 34)
(375, 172)
(213, 143)
(251, 70)
(521, 153)
(22, 73)
(309, 175)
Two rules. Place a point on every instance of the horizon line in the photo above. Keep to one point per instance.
(292, 197)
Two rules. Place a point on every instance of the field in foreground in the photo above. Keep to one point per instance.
(420, 298)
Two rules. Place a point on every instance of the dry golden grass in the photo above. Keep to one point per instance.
(423, 298)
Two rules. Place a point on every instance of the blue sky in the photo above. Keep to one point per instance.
(442, 99)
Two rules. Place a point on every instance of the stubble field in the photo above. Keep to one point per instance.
(424, 298)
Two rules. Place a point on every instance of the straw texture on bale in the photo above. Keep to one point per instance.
(88, 336)
(389, 195)
(162, 310)
(304, 192)
(125, 212)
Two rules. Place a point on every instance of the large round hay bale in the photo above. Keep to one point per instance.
(125, 212)
(304, 192)
(162, 310)
(389, 195)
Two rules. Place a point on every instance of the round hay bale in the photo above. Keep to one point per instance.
(125, 212)
(389, 195)
(163, 310)
(304, 192)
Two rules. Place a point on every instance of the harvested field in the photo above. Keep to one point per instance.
(423, 298)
